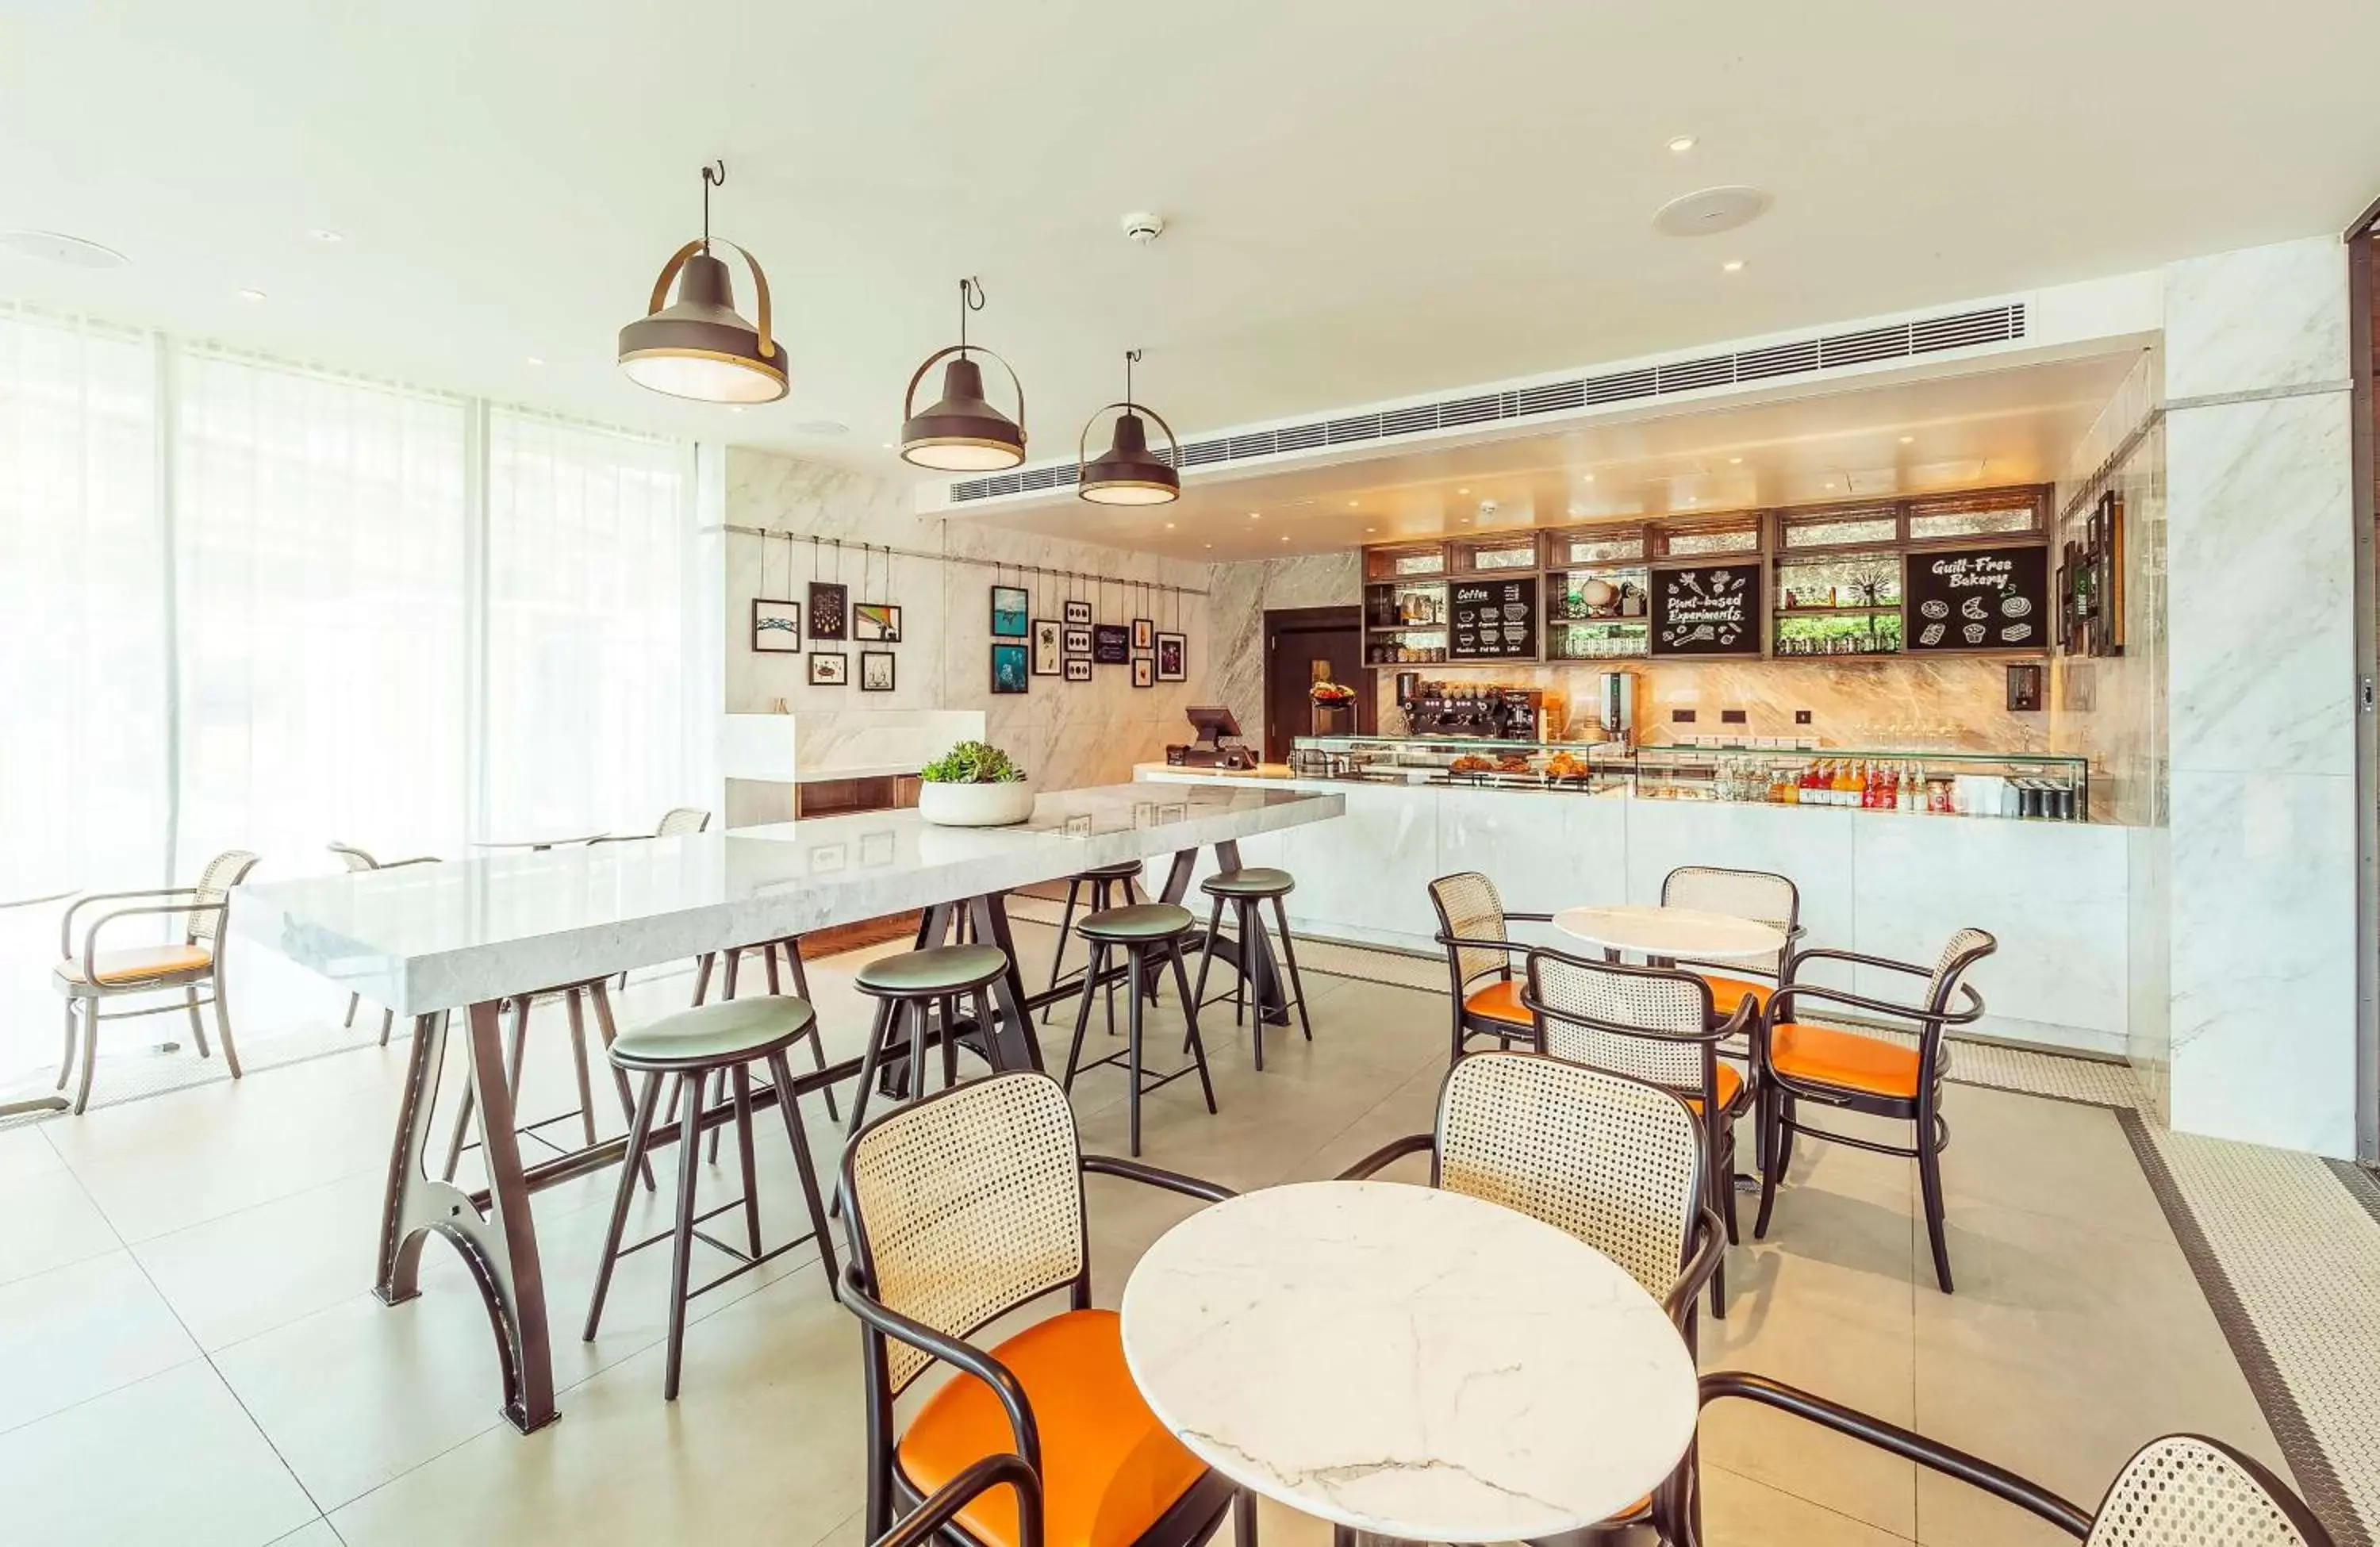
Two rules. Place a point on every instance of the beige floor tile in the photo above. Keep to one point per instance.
(1950, 1514)
(49, 1221)
(26, 1151)
(269, 1265)
(314, 1533)
(1739, 1511)
(764, 1444)
(169, 1459)
(74, 1333)
(2048, 1157)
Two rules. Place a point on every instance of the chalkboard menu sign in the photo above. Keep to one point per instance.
(1978, 599)
(1710, 609)
(1494, 620)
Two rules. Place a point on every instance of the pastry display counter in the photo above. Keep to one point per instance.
(1891, 883)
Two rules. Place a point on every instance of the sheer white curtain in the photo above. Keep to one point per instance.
(590, 540)
(83, 645)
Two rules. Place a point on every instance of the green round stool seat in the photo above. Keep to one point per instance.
(1256, 881)
(728, 1031)
(1140, 921)
(1128, 869)
(935, 969)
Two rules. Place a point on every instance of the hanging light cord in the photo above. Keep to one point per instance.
(714, 175)
(1131, 358)
(970, 300)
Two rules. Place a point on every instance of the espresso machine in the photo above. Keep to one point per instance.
(1483, 713)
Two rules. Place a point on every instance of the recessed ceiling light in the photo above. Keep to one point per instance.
(1256, 515)
(252, 293)
(1371, 528)
(55, 247)
(1169, 526)
(1463, 491)
(1831, 483)
(324, 234)
(1284, 537)
(821, 427)
(1735, 461)
(1211, 544)
(735, 407)
(1681, 143)
(1909, 440)
(1733, 265)
(887, 445)
(537, 359)
(1586, 478)
(1353, 503)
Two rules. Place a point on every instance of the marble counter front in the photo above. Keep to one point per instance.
(1886, 884)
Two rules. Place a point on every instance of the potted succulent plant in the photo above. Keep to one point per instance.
(973, 785)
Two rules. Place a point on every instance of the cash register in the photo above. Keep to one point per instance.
(1214, 723)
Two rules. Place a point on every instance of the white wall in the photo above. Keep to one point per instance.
(2260, 583)
(1066, 734)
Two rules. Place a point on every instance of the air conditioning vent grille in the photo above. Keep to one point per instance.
(1965, 329)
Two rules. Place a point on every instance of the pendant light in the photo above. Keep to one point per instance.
(700, 346)
(963, 433)
(1130, 474)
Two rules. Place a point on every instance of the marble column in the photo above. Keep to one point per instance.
(2261, 697)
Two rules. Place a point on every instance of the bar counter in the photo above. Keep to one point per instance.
(1886, 882)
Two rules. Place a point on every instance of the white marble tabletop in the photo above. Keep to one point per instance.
(1672, 933)
(423, 938)
(1409, 1362)
(550, 841)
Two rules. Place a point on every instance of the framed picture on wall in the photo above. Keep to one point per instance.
(1111, 644)
(1010, 605)
(1172, 658)
(1078, 612)
(1078, 669)
(1048, 647)
(829, 605)
(1144, 634)
(875, 623)
(1144, 672)
(1010, 673)
(1078, 642)
(776, 627)
(876, 671)
(829, 668)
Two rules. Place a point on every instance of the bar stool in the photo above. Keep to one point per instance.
(1102, 882)
(575, 999)
(792, 947)
(1246, 891)
(725, 1038)
(1142, 932)
(909, 988)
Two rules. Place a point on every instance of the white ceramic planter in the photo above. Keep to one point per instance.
(974, 805)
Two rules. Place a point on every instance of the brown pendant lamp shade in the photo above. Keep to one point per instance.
(700, 346)
(962, 433)
(1129, 472)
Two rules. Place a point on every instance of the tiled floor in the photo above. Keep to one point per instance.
(191, 1352)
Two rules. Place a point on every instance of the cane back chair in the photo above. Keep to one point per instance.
(1613, 1160)
(964, 1206)
(86, 975)
(1658, 1025)
(2181, 1490)
(679, 821)
(1762, 896)
(1472, 930)
(357, 861)
(1796, 1061)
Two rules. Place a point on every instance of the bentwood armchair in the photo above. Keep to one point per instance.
(1613, 1160)
(1472, 930)
(357, 861)
(2181, 1490)
(1796, 1061)
(1763, 896)
(1656, 1025)
(962, 1207)
(87, 975)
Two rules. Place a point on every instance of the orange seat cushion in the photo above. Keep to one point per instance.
(1498, 1001)
(1821, 1056)
(125, 967)
(1731, 1085)
(1108, 1469)
(1728, 993)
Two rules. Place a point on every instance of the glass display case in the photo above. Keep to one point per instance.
(2034, 785)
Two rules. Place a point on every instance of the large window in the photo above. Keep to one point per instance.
(267, 607)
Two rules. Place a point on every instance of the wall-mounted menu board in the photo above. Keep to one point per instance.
(1494, 620)
(1708, 609)
(1977, 598)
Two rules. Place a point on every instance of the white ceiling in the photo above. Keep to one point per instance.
(1986, 430)
(1368, 198)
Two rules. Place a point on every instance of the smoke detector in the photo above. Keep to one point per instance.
(1144, 227)
(1487, 510)
(55, 247)
(1710, 211)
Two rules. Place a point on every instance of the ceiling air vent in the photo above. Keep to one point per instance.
(1990, 324)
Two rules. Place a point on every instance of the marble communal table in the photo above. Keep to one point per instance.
(1408, 1362)
(425, 940)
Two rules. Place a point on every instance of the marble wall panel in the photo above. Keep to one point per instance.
(2255, 319)
(1243, 593)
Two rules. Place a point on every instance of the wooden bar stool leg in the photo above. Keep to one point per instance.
(800, 1140)
(1207, 951)
(1289, 955)
(1132, 1047)
(1195, 1045)
(918, 1017)
(1083, 1014)
(682, 1244)
(640, 1130)
(702, 965)
(611, 1033)
(1065, 923)
(769, 962)
(950, 1008)
(570, 997)
(740, 1086)
(66, 1063)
